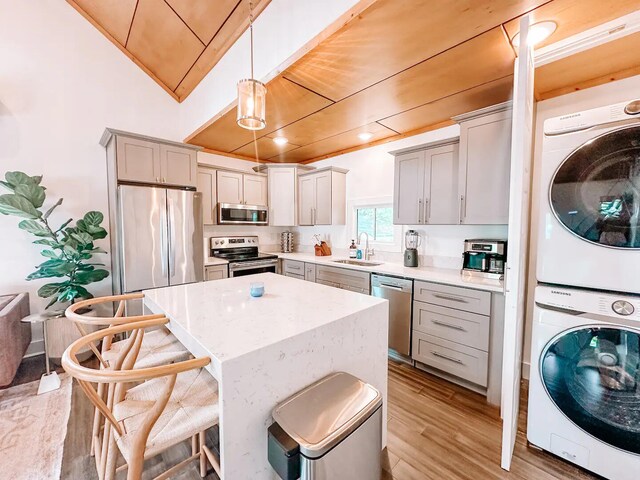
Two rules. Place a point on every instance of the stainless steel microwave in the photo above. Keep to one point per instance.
(238, 214)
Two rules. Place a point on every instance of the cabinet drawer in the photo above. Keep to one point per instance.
(293, 266)
(464, 362)
(343, 276)
(466, 299)
(327, 283)
(466, 328)
(299, 276)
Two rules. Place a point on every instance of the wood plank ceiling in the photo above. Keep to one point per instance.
(176, 42)
(400, 68)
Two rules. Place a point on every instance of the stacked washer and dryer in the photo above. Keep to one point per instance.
(584, 397)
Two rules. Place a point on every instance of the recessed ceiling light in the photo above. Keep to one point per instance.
(364, 136)
(280, 141)
(538, 32)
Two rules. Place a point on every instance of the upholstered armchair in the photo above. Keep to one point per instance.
(14, 335)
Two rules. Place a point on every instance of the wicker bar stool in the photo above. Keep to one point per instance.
(150, 409)
(159, 347)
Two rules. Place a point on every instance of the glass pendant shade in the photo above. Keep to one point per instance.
(251, 104)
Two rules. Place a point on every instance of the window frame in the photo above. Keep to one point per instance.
(375, 202)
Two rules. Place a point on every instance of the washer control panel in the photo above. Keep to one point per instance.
(599, 303)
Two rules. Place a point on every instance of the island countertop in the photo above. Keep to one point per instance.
(222, 315)
(263, 350)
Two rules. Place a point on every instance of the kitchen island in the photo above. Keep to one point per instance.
(265, 349)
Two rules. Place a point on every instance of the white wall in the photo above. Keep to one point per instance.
(61, 84)
(602, 95)
(370, 176)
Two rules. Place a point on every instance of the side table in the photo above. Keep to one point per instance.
(49, 380)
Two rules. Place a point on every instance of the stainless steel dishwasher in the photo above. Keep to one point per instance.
(399, 292)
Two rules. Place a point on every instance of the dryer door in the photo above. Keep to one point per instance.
(592, 374)
(595, 193)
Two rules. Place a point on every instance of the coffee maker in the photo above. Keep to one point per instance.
(484, 258)
(411, 243)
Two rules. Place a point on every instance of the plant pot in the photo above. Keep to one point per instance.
(62, 332)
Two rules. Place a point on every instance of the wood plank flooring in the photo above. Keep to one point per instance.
(436, 430)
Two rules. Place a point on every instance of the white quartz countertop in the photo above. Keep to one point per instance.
(447, 276)
(211, 261)
(227, 322)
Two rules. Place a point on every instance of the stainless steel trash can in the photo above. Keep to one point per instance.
(331, 430)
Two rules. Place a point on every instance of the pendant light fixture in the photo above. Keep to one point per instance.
(251, 94)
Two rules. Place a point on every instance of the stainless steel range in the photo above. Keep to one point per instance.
(243, 255)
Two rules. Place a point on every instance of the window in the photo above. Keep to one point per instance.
(377, 222)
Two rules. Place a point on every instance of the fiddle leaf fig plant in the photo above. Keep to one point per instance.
(69, 249)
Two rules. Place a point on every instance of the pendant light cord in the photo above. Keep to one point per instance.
(251, 33)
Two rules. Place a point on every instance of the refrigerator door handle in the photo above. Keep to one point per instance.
(172, 238)
(163, 241)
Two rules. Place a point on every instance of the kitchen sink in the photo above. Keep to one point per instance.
(360, 263)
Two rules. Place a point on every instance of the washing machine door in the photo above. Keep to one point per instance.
(592, 374)
(595, 193)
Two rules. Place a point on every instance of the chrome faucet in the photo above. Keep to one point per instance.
(368, 252)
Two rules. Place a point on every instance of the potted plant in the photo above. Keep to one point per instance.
(68, 249)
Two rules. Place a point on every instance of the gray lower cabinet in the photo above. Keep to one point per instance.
(457, 333)
(344, 278)
(310, 272)
(293, 268)
(216, 272)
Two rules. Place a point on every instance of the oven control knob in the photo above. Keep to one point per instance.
(622, 307)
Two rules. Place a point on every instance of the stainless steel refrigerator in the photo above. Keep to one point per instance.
(159, 238)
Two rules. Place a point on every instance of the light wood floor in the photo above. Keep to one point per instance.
(436, 430)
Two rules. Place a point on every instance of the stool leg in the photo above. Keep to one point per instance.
(203, 457)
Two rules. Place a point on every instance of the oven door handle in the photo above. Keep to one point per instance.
(238, 266)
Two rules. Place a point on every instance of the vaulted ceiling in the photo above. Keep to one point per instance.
(176, 42)
(397, 68)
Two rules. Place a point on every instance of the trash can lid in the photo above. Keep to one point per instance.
(326, 412)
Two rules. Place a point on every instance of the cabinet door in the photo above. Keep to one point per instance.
(485, 163)
(206, 184)
(310, 272)
(255, 190)
(282, 196)
(408, 191)
(230, 186)
(441, 183)
(307, 197)
(138, 160)
(216, 272)
(322, 209)
(178, 166)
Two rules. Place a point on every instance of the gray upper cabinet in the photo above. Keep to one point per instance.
(441, 184)
(207, 186)
(241, 188)
(426, 184)
(255, 190)
(138, 160)
(143, 159)
(282, 196)
(408, 189)
(178, 166)
(485, 165)
(230, 187)
(322, 197)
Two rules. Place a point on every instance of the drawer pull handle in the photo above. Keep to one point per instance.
(453, 299)
(450, 325)
(446, 357)
(293, 267)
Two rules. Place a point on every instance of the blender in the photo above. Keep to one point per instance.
(411, 243)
